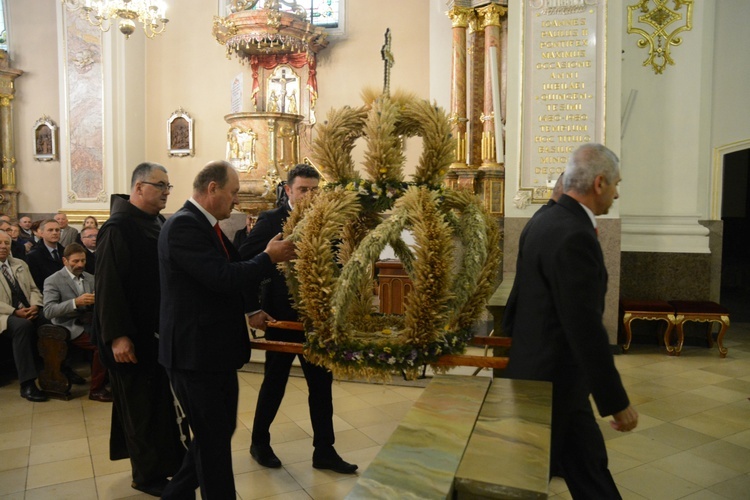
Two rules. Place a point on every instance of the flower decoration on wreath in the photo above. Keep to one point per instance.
(340, 233)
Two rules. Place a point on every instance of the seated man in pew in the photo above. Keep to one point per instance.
(17, 247)
(68, 302)
(88, 239)
(20, 304)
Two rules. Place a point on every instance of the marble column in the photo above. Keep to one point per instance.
(475, 86)
(490, 23)
(460, 18)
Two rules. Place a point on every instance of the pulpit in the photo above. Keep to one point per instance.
(271, 123)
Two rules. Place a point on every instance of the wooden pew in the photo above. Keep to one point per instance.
(53, 348)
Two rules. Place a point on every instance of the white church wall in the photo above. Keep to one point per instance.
(665, 145)
(33, 49)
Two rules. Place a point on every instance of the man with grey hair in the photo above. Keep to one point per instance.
(126, 325)
(555, 318)
(68, 234)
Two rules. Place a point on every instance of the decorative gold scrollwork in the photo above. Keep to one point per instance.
(660, 17)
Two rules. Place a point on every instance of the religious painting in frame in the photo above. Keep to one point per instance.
(563, 90)
(180, 134)
(45, 139)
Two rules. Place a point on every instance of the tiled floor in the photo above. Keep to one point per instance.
(693, 440)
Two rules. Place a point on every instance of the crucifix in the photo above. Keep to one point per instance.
(387, 56)
(283, 81)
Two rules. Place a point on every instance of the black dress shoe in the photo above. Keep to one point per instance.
(73, 377)
(103, 395)
(153, 488)
(265, 456)
(336, 464)
(32, 393)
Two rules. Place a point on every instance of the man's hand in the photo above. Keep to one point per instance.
(27, 312)
(124, 350)
(625, 420)
(258, 320)
(86, 299)
(280, 250)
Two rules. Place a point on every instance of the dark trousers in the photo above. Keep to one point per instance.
(144, 424)
(98, 371)
(578, 449)
(23, 335)
(320, 399)
(209, 400)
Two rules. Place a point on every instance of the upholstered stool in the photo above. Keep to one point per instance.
(647, 310)
(701, 311)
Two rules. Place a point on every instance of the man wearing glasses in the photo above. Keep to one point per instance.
(88, 238)
(144, 422)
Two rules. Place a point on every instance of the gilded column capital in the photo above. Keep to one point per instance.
(460, 16)
(5, 99)
(491, 14)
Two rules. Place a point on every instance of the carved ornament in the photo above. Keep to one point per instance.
(659, 18)
(460, 16)
(491, 15)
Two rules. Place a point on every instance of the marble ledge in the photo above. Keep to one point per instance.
(422, 455)
(508, 454)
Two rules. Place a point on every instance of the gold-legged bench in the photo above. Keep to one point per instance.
(647, 310)
(702, 311)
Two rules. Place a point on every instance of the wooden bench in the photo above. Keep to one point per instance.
(676, 313)
(53, 348)
(646, 310)
(701, 311)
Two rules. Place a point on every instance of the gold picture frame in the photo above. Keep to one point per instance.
(180, 134)
(45, 139)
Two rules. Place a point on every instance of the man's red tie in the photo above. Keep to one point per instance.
(218, 233)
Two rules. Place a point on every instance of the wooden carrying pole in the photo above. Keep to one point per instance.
(499, 362)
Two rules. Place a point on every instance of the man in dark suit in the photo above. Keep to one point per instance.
(275, 304)
(555, 319)
(241, 234)
(25, 224)
(203, 334)
(45, 259)
(88, 239)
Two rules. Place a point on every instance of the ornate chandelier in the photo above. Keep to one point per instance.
(150, 13)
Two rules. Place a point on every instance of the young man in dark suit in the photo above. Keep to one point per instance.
(555, 319)
(203, 334)
(45, 259)
(274, 304)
